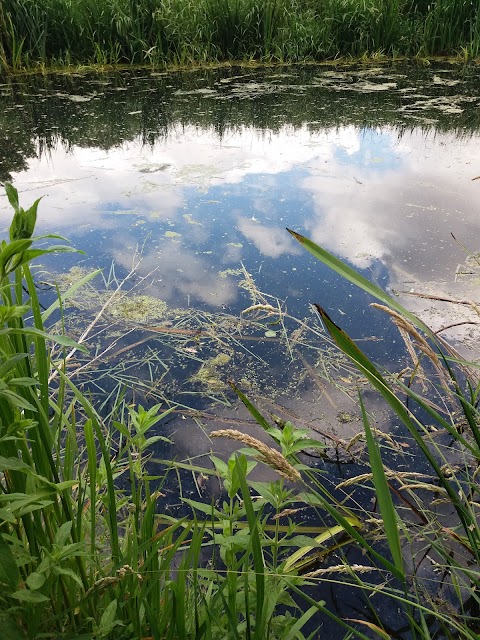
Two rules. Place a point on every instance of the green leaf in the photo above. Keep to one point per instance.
(65, 341)
(25, 595)
(353, 276)
(36, 581)
(299, 541)
(62, 535)
(7, 516)
(220, 466)
(149, 441)
(60, 571)
(258, 560)
(10, 313)
(204, 508)
(385, 502)
(69, 293)
(17, 400)
(66, 484)
(297, 627)
(10, 363)
(62, 340)
(14, 464)
(328, 534)
(22, 382)
(8, 567)
(252, 409)
(12, 195)
(107, 621)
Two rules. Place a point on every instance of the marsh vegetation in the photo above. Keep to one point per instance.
(155, 32)
(87, 549)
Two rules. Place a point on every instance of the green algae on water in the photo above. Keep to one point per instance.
(230, 272)
(189, 218)
(139, 308)
(208, 374)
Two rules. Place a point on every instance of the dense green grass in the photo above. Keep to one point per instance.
(157, 32)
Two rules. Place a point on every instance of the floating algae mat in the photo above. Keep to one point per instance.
(139, 308)
(186, 356)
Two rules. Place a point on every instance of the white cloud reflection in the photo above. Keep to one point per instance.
(369, 196)
(270, 241)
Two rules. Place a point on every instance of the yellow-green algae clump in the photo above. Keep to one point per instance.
(207, 374)
(139, 308)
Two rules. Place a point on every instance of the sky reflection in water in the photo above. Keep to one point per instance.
(357, 164)
(381, 177)
(366, 195)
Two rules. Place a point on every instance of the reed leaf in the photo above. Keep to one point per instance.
(382, 489)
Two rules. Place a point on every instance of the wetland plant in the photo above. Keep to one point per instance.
(41, 33)
(431, 524)
(87, 549)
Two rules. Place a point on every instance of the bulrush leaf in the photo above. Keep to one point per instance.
(385, 502)
(9, 573)
(353, 276)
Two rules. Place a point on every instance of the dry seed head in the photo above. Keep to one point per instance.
(261, 307)
(287, 512)
(425, 487)
(269, 456)
(397, 475)
(403, 323)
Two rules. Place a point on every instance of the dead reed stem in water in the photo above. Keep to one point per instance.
(269, 456)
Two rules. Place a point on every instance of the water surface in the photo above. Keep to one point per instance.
(196, 175)
(188, 181)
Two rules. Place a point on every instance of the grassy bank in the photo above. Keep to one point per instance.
(42, 33)
(86, 550)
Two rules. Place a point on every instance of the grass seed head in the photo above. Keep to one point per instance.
(269, 456)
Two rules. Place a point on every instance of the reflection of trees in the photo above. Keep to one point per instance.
(37, 113)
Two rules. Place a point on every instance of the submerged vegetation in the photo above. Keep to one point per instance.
(154, 32)
(87, 548)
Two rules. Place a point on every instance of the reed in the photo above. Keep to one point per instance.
(160, 32)
(442, 534)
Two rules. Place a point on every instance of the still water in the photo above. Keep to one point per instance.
(180, 187)
(194, 177)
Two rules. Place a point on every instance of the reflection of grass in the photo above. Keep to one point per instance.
(154, 32)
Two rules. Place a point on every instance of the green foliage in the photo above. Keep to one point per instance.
(161, 32)
(448, 538)
(85, 550)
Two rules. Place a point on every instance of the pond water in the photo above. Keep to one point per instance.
(184, 184)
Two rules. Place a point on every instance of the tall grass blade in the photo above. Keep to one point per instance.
(387, 509)
(356, 278)
(258, 561)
